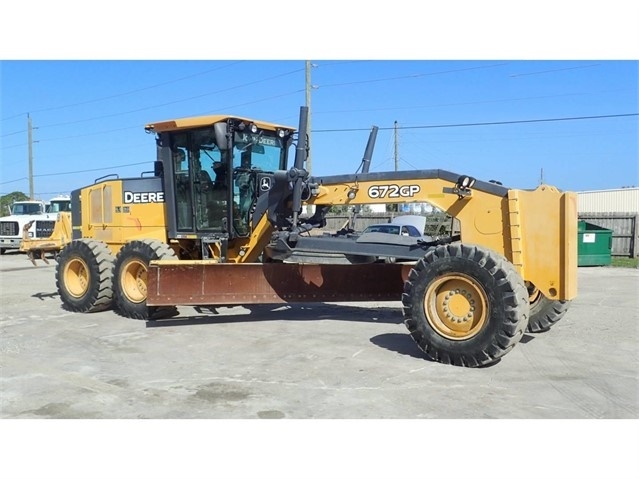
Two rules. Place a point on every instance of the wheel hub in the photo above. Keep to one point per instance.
(76, 274)
(456, 306)
(459, 305)
(133, 280)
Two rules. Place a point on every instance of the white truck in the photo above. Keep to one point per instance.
(43, 214)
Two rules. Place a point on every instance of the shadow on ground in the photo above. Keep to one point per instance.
(289, 312)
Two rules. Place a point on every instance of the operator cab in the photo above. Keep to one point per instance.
(214, 170)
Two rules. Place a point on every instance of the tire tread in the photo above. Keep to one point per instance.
(509, 285)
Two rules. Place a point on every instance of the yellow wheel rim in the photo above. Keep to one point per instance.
(76, 277)
(456, 306)
(533, 293)
(133, 281)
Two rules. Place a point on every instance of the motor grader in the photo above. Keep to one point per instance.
(220, 222)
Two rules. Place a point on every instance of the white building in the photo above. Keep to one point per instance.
(616, 210)
(411, 208)
(622, 200)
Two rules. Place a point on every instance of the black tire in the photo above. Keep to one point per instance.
(129, 273)
(465, 305)
(2, 250)
(83, 276)
(544, 312)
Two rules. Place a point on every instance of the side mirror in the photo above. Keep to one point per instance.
(221, 135)
(158, 168)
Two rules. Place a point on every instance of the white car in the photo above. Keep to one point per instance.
(397, 230)
(401, 230)
(405, 225)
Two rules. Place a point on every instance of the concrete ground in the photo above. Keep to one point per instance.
(304, 361)
(320, 361)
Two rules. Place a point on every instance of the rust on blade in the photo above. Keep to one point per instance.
(197, 283)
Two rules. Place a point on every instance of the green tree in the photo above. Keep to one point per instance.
(7, 200)
(339, 209)
(392, 208)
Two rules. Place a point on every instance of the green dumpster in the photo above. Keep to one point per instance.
(595, 245)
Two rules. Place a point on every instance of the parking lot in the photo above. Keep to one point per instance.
(305, 361)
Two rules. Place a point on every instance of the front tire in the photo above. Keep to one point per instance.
(83, 276)
(130, 277)
(465, 305)
(544, 312)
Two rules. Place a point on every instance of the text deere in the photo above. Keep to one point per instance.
(147, 197)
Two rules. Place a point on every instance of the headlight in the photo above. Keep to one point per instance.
(464, 182)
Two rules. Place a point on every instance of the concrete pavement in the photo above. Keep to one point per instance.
(304, 361)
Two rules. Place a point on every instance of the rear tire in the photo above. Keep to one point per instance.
(544, 312)
(465, 305)
(83, 276)
(129, 273)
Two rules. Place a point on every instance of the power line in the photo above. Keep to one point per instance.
(235, 87)
(157, 106)
(478, 102)
(14, 181)
(93, 169)
(138, 126)
(70, 105)
(553, 71)
(458, 125)
(78, 171)
(491, 123)
(414, 75)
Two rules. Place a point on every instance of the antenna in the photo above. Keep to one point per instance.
(396, 148)
(298, 174)
(30, 140)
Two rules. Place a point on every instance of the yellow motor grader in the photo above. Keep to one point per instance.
(220, 222)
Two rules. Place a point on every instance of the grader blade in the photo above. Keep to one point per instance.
(171, 282)
(37, 248)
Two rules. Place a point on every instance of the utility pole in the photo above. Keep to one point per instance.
(30, 141)
(541, 177)
(396, 148)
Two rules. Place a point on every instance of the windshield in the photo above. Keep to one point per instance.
(27, 209)
(58, 206)
(209, 181)
(390, 229)
(263, 151)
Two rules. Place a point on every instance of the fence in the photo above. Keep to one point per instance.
(624, 231)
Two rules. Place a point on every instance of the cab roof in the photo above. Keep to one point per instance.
(203, 121)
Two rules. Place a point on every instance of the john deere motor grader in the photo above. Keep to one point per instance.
(220, 223)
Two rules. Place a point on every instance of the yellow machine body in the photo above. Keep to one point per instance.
(221, 218)
(535, 230)
(111, 213)
(37, 248)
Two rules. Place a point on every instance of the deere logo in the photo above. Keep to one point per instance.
(149, 197)
(265, 183)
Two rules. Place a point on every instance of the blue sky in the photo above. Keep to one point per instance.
(89, 115)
